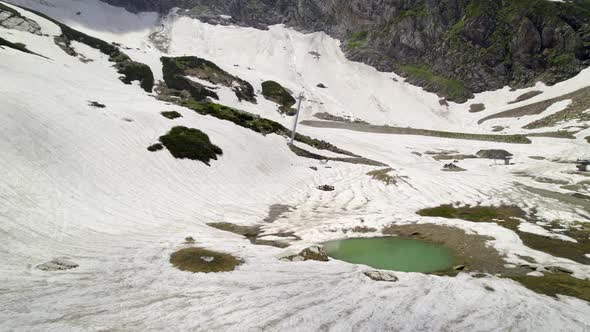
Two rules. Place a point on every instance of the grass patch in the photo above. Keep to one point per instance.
(255, 123)
(203, 260)
(357, 39)
(450, 88)
(475, 213)
(510, 217)
(171, 115)
(383, 176)
(275, 92)
(190, 143)
(175, 70)
(553, 284)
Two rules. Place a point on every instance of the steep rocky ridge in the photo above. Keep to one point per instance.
(452, 47)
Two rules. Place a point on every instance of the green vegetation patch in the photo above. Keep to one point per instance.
(203, 260)
(510, 217)
(475, 213)
(190, 143)
(452, 89)
(171, 115)
(357, 39)
(256, 123)
(175, 70)
(275, 92)
(553, 284)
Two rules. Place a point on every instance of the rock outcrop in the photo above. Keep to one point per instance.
(452, 47)
(11, 19)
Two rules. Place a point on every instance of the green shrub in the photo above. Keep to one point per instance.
(173, 70)
(190, 143)
(171, 115)
(275, 92)
(136, 71)
(450, 88)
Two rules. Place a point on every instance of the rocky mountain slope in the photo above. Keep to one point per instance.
(452, 47)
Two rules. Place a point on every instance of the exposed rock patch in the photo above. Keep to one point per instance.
(12, 19)
(493, 154)
(475, 108)
(57, 264)
(381, 276)
(314, 253)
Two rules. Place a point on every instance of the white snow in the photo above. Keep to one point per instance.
(78, 182)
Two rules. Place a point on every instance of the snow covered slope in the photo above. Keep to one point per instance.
(77, 181)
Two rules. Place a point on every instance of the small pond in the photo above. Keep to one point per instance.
(392, 253)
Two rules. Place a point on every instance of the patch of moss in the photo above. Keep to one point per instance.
(171, 115)
(203, 260)
(450, 88)
(175, 70)
(136, 71)
(275, 92)
(256, 123)
(190, 143)
(553, 284)
(357, 39)
(475, 213)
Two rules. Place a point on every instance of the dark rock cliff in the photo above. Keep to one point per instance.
(452, 47)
